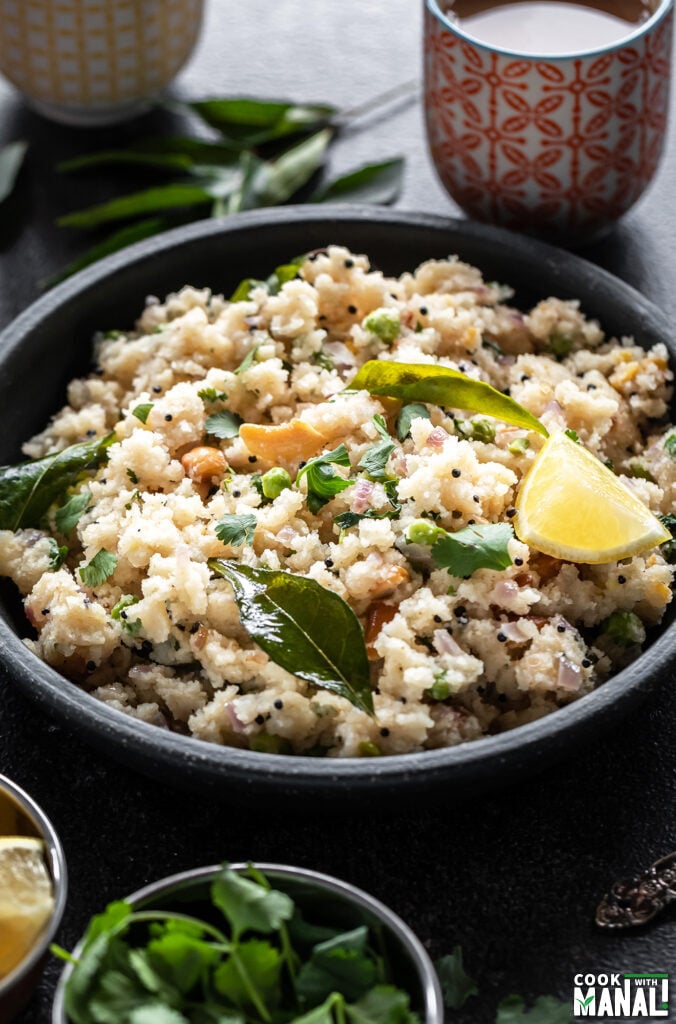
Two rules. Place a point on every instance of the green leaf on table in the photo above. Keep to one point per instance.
(245, 904)
(308, 630)
(408, 413)
(28, 489)
(152, 200)
(341, 964)
(456, 985)
(323, 481)
(545, 1010)
(236, 529)
(275, 181)
(474, 547)
(68, 516)
(439, 385)
(170, 152)
(98, 569)
(11, 159)
(374, 183)
(249, 122)
(383, 1004)
(261, 963)
(113, 243)
(374, 460)
(223, 424)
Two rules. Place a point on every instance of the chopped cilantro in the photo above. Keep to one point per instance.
(236, 529)
(212, 395)
(68, 516)
(142, 412)
(248, 360)
(132, 475)
(323, 481)
(99, 569)
(223, 424)
(119, 613)
(374, 460)
(469, 549)
(410, 412)
(57, 555)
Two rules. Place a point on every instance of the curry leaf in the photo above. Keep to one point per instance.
(223, 424)
(170, 152)
(28, 489)
(11, 159)
(439, 385)
(277, 180)
(69, 515)
(152, 200)
(236, 529)
(456, 985)
(99, 569)
(308, 630)
(250, 122)
(373, 183)
(249, 906)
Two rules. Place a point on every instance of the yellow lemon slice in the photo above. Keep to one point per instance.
(572, 507)
(26, 898)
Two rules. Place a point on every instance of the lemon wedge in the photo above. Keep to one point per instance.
(26, 898)
(572, 507)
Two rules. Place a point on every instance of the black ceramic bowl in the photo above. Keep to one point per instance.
(324, 900)
(17, 986)
(51, 342)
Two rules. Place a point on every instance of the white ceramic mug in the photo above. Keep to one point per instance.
(93, 62)
(560, 144)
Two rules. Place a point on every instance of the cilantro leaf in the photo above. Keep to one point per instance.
(340, 964)
(248, 906)
(374, 460)
(383, 1004)
(260, 963)
(456, 985)
(99, 569)
(212, 395)
(323, 482)
(68, 516)
(223, 424)
(119, 613)
(247, 361)
(545, 1010)
(410, 412)
(472, 548)
(670, 445)
(236, 529)
(57, 555)
(142, 412)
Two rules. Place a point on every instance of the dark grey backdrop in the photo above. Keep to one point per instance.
(514, 877)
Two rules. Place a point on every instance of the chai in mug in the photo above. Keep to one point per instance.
(547, 115)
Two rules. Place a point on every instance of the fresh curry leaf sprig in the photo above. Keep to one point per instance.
(263, 963)
(266, 153)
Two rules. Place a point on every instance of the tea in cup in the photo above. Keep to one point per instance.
(547, 116)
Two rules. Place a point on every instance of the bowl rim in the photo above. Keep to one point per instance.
(56, 861)
(432, 997)
(484, 758)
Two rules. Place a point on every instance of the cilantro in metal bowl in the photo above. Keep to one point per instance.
(247, 944)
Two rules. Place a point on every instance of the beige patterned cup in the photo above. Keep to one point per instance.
(94, 62)
(557, 144)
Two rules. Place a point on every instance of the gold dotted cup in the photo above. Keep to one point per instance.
(94, 62)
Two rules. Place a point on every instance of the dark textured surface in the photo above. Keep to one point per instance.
(515, 877)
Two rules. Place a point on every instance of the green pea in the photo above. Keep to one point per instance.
(275, 481)
(421, 531)
(384, 323)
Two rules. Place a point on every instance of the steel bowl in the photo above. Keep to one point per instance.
(17, 987)
(337, 903)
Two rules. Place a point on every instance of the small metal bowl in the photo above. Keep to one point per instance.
(339, 903)
(17, 987)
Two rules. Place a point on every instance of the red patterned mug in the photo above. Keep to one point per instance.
(562, 145)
